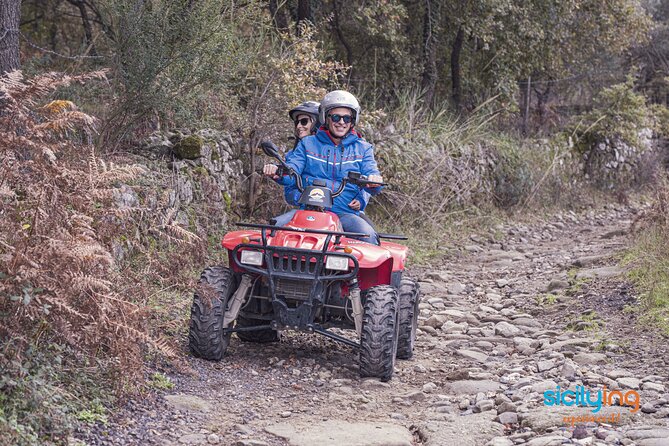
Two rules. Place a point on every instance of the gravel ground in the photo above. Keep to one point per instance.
(522, 310)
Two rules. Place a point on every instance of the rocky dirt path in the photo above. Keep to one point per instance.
(518, 312)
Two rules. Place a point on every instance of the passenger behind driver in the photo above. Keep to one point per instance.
(305, 119)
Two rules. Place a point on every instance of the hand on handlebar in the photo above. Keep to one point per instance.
(270, 171)
(374, 179)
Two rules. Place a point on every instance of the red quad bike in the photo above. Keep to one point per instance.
(309, 276)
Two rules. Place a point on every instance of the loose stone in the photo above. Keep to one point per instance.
(652, 386)
(508, 418)
(506, 329)
(429, 387)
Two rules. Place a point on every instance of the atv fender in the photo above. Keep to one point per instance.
(398, 252)
(234, 238)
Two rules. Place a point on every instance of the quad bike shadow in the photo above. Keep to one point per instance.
(309, 276)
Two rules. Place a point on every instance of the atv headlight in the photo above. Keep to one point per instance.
(252, 258)
(337, 263)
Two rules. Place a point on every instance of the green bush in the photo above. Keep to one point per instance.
(618, 113)
(171, 59)
(615, 138)
(512, 174)
(40, 397)
(161, 382)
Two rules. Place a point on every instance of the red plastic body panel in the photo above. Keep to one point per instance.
(369, 277)
(327, 221)
(376, 262)
(399, 253)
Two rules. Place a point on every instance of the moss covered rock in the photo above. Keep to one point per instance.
(189, 148)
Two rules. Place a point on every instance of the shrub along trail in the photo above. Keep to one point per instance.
(520, 311)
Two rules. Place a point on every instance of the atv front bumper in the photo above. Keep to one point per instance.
(305, 272)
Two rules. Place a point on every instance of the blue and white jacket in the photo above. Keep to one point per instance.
(317, 157)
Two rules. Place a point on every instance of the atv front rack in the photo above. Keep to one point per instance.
(306, 266)
(338, 234)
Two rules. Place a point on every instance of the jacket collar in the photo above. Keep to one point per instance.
(324, 136)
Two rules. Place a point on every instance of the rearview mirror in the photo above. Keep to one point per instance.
(270, 149)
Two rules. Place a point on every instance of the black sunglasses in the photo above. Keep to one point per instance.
(303, 121)
(345, 118)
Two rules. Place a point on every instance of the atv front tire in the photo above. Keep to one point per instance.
(409, 298)
(378, 341)
(259, 336)
(205, 336)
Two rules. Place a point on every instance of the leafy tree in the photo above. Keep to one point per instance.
(470, 50)
(653, 57)
(509, 41)
(171, 58)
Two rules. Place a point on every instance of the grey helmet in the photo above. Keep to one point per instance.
(339, 98)
(307, 108)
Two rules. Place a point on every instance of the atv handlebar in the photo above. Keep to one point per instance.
(284, 169)
(361, 180)
(272, 150)
(356, 178)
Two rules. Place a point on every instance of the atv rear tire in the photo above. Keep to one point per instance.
(205, 336)
(409, 297)
(378, 341)
(260, 336)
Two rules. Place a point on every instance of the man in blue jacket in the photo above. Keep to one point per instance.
(330, 154)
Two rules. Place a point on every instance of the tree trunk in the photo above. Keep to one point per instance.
(10, 18)
(526, 96)
(430, 43)
(303, 14)
(278, 15)
(456, 51)
(337, 29)
(85, 21)
(542, 99)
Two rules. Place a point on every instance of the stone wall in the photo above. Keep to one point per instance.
(191, 179)
(614, 163)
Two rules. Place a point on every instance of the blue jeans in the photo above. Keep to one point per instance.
(349, 223)
(353, 223)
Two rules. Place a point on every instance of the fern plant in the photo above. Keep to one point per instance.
(59, 283)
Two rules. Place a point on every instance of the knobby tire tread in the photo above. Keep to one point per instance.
(205, 337)
(378, 341)
(409, 298)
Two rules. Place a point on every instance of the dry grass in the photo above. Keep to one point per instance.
(649, 258)
(58, 278)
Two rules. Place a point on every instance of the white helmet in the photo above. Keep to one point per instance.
(339, 98)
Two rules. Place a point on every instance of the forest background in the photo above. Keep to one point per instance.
(128, 145)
